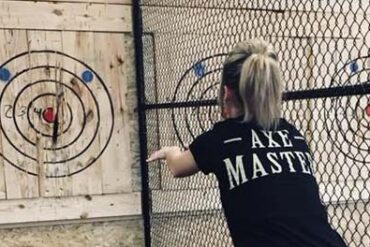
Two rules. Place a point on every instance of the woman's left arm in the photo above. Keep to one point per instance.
(181, 163)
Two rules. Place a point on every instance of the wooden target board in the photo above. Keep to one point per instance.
(50, 110)
(63, 120)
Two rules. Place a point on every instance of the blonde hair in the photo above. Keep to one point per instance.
(251, 69)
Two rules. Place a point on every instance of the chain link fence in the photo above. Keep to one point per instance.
(323, 47)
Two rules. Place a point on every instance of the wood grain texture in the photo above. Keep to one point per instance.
(79, 207)
(51, 40)
(81, 45)
(2, 174)
(121, 2)
(65, 16)
(116, 168)
(107, 55)
(19, 184)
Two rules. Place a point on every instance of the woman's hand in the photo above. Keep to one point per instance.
(162, 153)
(180, 163)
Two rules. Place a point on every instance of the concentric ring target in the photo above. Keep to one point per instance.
(199, 83)
(34, 102)
(32, 105)
(51, 112)
(348, 117)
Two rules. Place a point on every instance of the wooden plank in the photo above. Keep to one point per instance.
(73, 221)
(339, 6)
(19, 184)
(51, 40)
(79, 207)
(3, 43)
(35, 41)
(2, 172)
(81, 46)
(122, 2)
(113, 65)
(65, 16)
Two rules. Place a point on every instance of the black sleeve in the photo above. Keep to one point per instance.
(203, 149)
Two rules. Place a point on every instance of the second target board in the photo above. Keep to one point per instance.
(348, 117)
(55, 110)
(198, 85)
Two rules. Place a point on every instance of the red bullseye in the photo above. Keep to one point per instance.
(48, 115)
(367, 109)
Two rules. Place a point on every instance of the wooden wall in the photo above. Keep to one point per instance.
(67, 111)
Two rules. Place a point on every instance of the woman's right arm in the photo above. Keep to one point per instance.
(181, 163)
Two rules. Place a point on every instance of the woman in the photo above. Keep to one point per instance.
(262, 163)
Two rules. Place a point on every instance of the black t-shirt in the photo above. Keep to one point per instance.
(269, 194)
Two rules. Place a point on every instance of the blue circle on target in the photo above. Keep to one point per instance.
(4, 74)
(353, 67)
(87, 76)
(199, 69)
